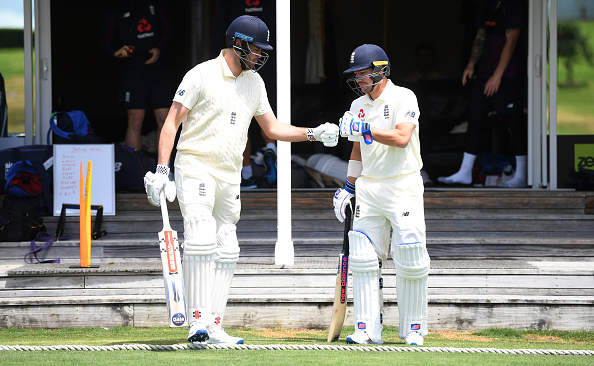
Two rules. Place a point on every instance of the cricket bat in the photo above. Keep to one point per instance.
(341, 289)
(172, 270)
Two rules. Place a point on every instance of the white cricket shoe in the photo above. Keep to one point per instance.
(414, 339)
(361, 338)
(217, 335)
(197, 333)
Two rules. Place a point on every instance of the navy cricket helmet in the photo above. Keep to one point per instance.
(249, 29)
(368, 56)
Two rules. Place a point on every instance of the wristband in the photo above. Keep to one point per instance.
(355, 168)
(162, 169)
(310, 135)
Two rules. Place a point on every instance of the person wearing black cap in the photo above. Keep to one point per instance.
(384, 177)
(214, 104)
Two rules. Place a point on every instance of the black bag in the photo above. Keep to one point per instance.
(10, 156)
(19, 221)
(130, 167)
(71, 128)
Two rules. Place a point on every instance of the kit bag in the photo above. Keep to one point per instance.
(130, 167)
(19, 221)
(28, 181)
(71, 128)
(8, 157)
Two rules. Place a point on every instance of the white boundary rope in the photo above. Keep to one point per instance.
(315, 347)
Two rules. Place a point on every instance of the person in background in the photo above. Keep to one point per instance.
(496, 61)
(139, 33)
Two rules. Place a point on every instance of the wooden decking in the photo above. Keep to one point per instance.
(500, 258)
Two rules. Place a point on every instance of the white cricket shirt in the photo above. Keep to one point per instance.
(394, 106)
(214, 133)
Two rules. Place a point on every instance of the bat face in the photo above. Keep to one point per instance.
(174, 287)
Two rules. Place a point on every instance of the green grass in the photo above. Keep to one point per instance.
(12, 67)
(575, 107)
(491, 338)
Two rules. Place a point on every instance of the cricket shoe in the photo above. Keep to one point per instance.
(414, 339)
(270, 167)
(361, 338)
(198, 333)
(217, 335)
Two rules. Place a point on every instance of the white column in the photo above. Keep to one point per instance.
(283, 251)
(553, 94)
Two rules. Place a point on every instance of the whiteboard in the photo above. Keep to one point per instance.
(67, 160)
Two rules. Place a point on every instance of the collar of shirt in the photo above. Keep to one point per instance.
(226, 69)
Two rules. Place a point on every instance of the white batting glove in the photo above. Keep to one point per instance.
(327, 133)
(352, 127)
(342, 198)
(155, 182)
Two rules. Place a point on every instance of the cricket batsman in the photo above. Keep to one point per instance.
(214, 105)
(384, 176)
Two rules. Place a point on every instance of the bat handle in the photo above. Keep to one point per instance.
(164, 212)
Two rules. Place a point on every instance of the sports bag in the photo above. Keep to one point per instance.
(71, 128)
(130, 167)
(28, 182)
(8, 157)
(19, 221)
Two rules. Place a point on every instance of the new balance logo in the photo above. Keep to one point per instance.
(181, 93)
(405, 214)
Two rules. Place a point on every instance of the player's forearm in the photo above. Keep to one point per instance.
(477, 47)
(177, 113)
(394, 137)
(507, 52)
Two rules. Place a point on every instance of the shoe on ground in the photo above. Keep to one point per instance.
(198, 333)
(361, 338)
(414, 339)
(270, 167)
(249, 183)
(217, 335)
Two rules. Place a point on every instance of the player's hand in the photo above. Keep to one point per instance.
(327, 133)
(342, 198)
(155, 182)
(124, 52)
(352, 127)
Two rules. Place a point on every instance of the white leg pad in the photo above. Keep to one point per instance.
(412, 270)
(226, 257)
(366, 294)
(198, 266)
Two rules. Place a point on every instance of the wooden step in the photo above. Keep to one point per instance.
(463, 295)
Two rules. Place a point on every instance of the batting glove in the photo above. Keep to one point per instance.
(155, 182)
(327, 133)
(352, 127)
(342, 198)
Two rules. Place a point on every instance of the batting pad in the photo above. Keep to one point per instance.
(366, 293)
(198, 266)
(412, 270)
(226, 257)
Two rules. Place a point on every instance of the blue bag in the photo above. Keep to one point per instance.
(71, 128)
(28, 181)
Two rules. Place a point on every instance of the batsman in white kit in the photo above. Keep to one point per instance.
(384, 177)
(214, 104)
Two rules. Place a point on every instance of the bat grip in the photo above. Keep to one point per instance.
(164, 212)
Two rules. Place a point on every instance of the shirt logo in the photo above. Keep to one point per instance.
(386, 112)
(233, 117)
(143, 26)
(181, 92)
(361, 113)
